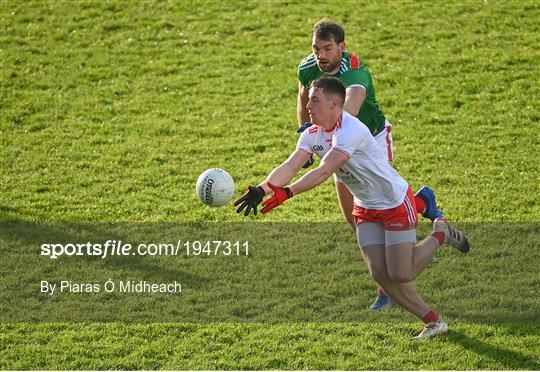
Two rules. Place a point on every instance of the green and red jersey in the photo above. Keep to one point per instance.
(352, 72)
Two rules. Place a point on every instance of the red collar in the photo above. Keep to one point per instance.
(337, 125)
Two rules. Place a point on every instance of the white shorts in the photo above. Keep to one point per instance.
(385, 142)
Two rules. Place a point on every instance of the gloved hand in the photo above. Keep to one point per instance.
(309, 162)
(303, 127)
(280, 195)
(250, 200)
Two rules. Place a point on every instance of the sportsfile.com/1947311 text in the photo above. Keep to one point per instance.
(182, 248)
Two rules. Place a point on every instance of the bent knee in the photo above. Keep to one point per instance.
(379, 275)
(401, 277)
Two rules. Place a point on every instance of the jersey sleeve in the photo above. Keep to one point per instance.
(305, 70)
(302, 78)
(350, 138)
(304, 142)
(357, 77)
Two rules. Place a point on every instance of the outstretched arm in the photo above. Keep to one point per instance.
(331, 162)
(281, 175)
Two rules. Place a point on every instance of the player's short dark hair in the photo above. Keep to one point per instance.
(330, 85)
(326, 30)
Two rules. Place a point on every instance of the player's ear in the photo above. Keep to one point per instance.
(335, 101)
(342, 46)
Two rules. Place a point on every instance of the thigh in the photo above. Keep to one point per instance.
(399, 259)
(370, 236)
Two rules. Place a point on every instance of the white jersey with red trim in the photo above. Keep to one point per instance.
(367, 173)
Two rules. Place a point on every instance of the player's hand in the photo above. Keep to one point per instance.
(250, 200)
(309, 162)
(280, 195)
(303, 127)
(300, 129)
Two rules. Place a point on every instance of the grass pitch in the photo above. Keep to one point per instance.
(109, 111)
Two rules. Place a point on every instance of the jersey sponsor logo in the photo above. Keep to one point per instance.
(317, 148)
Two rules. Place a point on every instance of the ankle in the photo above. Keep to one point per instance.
(439, 236)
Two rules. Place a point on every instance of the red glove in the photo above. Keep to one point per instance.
(280, 195)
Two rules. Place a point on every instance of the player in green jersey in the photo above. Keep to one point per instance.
(330, 57)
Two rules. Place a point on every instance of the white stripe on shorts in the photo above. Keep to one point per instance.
(410, 212)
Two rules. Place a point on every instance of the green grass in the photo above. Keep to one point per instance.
(262, 346)
(109, 111)
(285, 277)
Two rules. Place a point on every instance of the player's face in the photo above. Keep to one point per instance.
(320, 107)
(327, 53)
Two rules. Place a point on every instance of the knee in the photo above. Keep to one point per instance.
(400, 276)
(379, 275)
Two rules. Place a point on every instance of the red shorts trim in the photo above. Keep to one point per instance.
(401, 218)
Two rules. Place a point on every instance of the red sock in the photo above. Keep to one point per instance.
(439, 236)
(420, 204)
(430, 317)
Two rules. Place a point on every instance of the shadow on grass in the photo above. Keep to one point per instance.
(33, 234)
(510, 359)
(291, 275)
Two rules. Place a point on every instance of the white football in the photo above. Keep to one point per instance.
(215, 187)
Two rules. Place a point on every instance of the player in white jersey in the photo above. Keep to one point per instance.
(330, 57)
(385, 212)
(367, 174)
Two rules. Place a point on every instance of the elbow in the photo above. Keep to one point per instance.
(353, 111)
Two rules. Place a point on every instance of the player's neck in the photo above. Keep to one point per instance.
(332, 121)
(333, 72)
